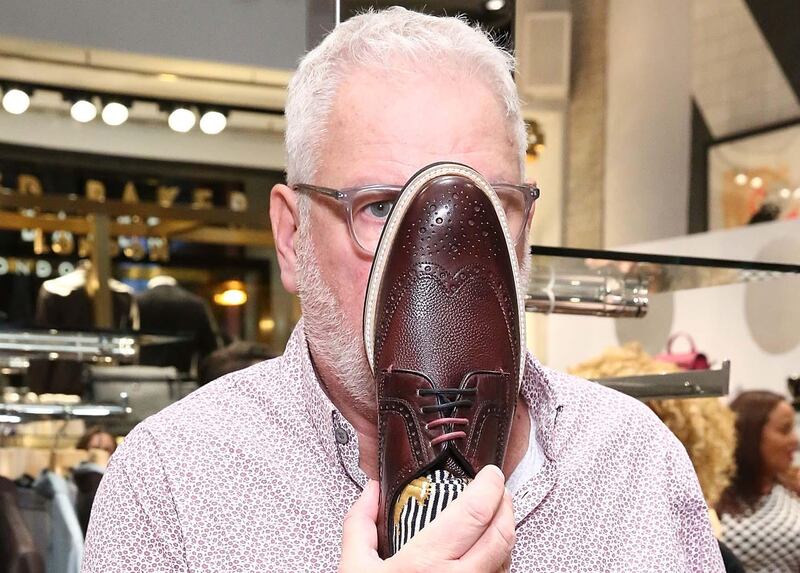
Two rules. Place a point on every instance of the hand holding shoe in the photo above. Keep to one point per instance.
(474, 533)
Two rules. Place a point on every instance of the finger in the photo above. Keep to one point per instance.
(360, 534)
(493, 549)
(464, 521)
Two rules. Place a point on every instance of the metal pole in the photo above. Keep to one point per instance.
(101, 271)
(322, 16)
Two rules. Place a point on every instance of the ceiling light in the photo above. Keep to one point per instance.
(495, 5)
(115, 113)
(212, 122)
(181, 119)
(741, 179)
(83, 110)
(756, 182)
(785, 193)
(16, 101)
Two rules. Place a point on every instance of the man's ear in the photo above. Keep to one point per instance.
(283, 216)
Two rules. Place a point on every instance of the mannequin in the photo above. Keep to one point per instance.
(66, 303)
(166, 307)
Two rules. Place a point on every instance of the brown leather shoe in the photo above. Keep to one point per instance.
(444, 334)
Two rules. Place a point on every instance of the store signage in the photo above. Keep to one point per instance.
(133, 192)
(99, 187)
(40, 268)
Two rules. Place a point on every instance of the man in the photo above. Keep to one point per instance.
(257, 471)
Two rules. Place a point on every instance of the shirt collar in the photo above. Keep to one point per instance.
(334, 432)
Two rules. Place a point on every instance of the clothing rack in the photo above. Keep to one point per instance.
(97, 346)
(686, 384)
(25, 411)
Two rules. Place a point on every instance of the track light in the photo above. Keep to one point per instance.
(115, 113)
(212, 122)
(83, 110)
(16, 101)
(181, 119)
(114, 108)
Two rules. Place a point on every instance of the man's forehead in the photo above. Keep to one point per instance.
(392, 128)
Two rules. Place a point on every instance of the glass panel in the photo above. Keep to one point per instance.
(613, 283)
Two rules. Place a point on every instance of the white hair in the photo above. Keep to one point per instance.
(375, 39)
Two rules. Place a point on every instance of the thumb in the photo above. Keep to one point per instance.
(360, 534)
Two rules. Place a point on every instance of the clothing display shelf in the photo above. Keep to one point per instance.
(99, 346)
(687, 384)
(13, 412)
(618, 284)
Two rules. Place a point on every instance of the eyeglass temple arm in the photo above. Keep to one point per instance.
(323, 190)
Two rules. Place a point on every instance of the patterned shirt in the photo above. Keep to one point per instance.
(256, 471)
(766, 539)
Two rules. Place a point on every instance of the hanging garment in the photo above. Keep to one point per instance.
(65, 303)
(18, 552)
(166, 307)
(87, 477)
(65, 546)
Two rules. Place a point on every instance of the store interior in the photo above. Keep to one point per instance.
(137, 262)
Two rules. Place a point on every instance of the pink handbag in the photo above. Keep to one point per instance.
(692, 360)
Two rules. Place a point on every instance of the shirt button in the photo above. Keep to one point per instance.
(341, 436)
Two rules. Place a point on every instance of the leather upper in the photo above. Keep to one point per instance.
(446, 318)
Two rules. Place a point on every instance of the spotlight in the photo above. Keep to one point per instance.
(232, 294)
(495, 5)
(16, 101)
(83, 110)
(115, 113)
(182, 119)
(741, 179)
(212, 122)
(756, 182)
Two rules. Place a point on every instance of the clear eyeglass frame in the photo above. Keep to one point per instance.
(348, 197)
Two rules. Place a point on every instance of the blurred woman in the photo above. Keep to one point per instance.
(97, 438)
(760, 517)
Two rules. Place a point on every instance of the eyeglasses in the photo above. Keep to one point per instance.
(368, 208)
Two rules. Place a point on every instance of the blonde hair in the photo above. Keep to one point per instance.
(705, 426)
(375, 39)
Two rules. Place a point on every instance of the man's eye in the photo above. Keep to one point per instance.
(380, 209)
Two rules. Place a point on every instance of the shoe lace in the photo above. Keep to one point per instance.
(447, 406)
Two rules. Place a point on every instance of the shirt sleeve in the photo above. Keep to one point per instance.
(701, 549)
(134, 524)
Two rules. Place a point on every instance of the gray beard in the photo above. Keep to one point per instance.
(331, 339)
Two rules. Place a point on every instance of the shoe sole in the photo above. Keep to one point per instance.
(389, 233)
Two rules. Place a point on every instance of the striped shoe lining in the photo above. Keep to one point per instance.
(421, 501)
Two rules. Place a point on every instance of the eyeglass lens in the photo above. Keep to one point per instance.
(371, 208)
